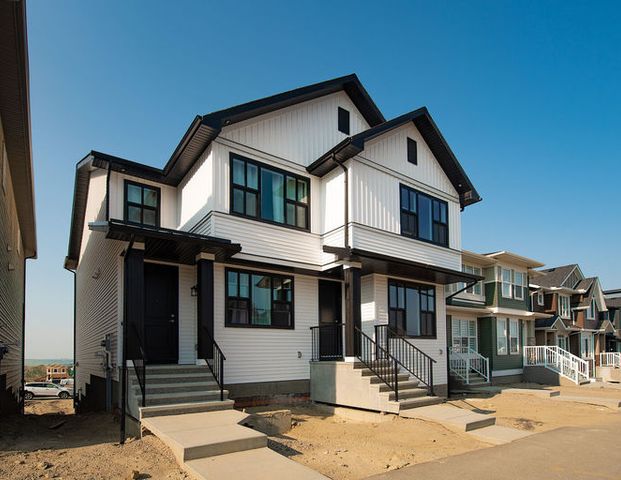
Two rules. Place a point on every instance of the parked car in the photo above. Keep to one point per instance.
(45, 389)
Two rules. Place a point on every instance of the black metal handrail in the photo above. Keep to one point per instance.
(140, 364)
(327, 342)
(377, 359)
(216, 361)
(411, 358)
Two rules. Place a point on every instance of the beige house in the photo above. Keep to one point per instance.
(17, 217)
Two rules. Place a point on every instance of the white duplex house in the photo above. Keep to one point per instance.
(286, 240)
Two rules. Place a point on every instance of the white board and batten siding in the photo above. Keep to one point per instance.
(300, 133)
(268, 354)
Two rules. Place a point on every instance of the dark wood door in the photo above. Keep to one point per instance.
(330, 320)
(161, 322)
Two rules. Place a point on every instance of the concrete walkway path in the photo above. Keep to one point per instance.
(576, 453)
(212, 445)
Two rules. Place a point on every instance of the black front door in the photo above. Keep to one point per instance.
(161, 323)
(330, 320)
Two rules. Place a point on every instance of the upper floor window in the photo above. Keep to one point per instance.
(590, 313)
(412, 151)
(142, 204)
(513, 283)
(423, 217)
(269, 194)
(476, 289)
(540, 299)
(343, 118)
(564, 309)
(412, 309)
(256, 299)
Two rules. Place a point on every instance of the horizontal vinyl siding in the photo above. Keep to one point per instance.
(435, 348)
(264, 355)
(405, 248)
(265, 241)
(98, 306)
(11, 286)
(301, 133)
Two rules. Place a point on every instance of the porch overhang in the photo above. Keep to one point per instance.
(372, 262)
(167, 244)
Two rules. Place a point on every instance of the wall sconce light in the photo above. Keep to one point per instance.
(194, 291)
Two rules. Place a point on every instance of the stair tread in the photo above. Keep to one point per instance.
(178, 408)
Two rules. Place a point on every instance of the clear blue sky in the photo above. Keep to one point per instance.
(526, 93)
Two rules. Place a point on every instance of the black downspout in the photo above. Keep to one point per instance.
(74, 337)
(107, 216)
(124, 358)
(21, 393)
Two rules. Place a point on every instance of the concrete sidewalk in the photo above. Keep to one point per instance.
(576, 453)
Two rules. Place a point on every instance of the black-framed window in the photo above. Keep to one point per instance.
(269, 194)
(142, 204)
(412, 151)
(343, 118)
(423, 217)
(412, 309)
(258, 299)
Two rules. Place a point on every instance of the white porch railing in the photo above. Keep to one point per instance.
(558, 360)
(610, 359)
(464, 360)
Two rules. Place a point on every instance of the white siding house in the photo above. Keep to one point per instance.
(281, 216)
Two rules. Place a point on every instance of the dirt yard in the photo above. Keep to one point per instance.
(85, 447)
(526, 412)
(355, 447)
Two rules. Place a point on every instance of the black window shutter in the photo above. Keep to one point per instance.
(343, 121)
(412, 153)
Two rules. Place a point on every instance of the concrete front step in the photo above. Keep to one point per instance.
(410, 403)
(183, 408)
(401, 377)
(403, 385)
(256, 464)
(184, 397)
(179, 387)
(408, 393)
(174, 368)
(160, 378)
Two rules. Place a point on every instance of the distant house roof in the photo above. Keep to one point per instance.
(613, 302)
(430, 132)
(554, 277)
(15, 114)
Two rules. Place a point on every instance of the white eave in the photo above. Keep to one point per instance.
(515, 259)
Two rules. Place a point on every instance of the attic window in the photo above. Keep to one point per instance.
(142, 204)
(343, 121)
(412, 151)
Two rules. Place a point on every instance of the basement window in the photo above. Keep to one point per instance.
(142, 204)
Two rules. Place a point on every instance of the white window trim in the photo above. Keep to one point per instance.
(561, 310)
(477, 286)
(515, 284)
(503, 282)
(540, 299)
(590, 312)
(505, 322)
(515, 322)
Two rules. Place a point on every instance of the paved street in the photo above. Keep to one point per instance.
(570, 453)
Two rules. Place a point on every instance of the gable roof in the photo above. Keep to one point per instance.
(613, 302)
(556, 276)
(430, 132)
(15, 113)
(514, 258)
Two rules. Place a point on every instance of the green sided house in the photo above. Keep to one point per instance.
(491, 321)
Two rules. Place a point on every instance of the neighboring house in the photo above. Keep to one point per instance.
(280, 232)
(613, 304)
(491, 321)
(576, 312)
(17, 212)
(56, 372)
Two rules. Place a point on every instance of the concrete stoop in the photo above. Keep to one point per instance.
(213, 445)
(351, 384)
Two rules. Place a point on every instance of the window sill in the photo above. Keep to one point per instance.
(269, 222)
(267, 327)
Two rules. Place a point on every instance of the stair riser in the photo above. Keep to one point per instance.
(175, 388)
(414, 393)
(181, 399)
(224, 448)
(402, 377)
(160, 379)
(420, 402)
(186, 408)
(402, 385)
